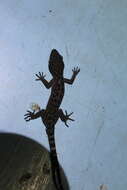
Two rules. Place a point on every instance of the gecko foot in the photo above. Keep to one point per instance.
(29, 115)
(67, 117)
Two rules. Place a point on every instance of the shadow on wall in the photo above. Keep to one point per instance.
(25, 164)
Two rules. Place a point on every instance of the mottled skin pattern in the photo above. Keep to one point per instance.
(53, 112)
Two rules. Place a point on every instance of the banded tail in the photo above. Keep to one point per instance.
(54, 160)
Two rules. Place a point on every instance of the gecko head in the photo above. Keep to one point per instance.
(56, 64)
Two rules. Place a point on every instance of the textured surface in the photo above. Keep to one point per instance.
(24, 165)
(90, 34)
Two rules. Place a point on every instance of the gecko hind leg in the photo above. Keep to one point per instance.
(65, 117)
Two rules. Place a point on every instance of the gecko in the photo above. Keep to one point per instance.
(53, 112)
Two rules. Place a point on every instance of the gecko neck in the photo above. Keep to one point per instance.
(58, 77)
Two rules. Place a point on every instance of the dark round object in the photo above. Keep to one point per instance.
(25, 165)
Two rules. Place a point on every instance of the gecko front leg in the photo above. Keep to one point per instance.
(40, 76)
(65, 117)
(75, 72)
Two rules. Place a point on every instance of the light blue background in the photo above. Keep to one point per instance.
(91, 34)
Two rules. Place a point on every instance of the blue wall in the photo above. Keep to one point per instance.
(91, 35)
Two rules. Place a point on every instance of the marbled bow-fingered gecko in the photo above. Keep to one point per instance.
(52, 113)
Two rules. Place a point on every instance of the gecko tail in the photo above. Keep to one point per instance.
(56, 176)
(56, 172)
